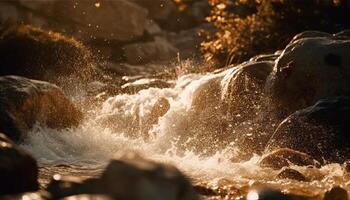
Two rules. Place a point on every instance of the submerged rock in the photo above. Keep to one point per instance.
(288, 173)
(18, 170)
(43, 55)
(25, 102)
(310, 68)
(133, 178)
(320, 131)
(285, 157)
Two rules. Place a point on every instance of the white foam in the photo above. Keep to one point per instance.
(118, 126)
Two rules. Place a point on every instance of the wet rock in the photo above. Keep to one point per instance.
(310, 34)
(288, 173)
(38, 54)
(320, 130)
(243, 95)
(204, 191)
(244, 85)
(133, 178)
(64, 186)
(285, 157)
(25, 102)
(336, 193)
(310, 69)
(126, 20)
(157, 50)
(265, 57)
(18, 170)
(344, 33)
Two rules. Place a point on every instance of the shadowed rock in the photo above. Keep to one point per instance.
(285, 157)
(310, 68)
(43, 55)
(25, 102)
(320, 131)
(18, 170)
(288, 173)
(336, 193)
(310, 34)
(130, 178)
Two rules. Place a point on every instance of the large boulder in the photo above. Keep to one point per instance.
(38, 54)
(25, 102)
(18, 170)
(130, 177)
(322, 131)
(311, 67)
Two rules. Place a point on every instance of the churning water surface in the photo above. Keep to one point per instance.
(126, 123)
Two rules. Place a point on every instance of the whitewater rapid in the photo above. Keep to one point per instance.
(122, 124)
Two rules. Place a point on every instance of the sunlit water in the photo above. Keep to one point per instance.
(124, 123)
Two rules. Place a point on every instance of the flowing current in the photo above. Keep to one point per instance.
(171, 125)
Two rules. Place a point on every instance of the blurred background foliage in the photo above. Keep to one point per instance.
(249, 27)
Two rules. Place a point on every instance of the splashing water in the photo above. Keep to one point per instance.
(170, 134)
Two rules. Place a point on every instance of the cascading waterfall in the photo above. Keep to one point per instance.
(171, 125)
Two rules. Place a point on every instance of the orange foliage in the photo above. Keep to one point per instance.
(251, 27)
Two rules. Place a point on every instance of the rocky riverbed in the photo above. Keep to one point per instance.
(273, 127)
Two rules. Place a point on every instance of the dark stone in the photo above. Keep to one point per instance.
(18, 170)
(285, 157)
(336, 193)
(309, 69)
(204, 191)
(321, 131)
(288, 173)
(333, 59)
(25, 102)
(344, 33)
(310, 34)
(133, 178)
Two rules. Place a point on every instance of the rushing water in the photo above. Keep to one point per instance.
(130, 123)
